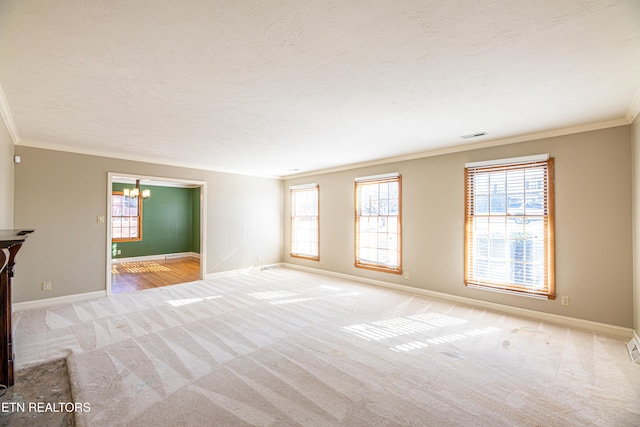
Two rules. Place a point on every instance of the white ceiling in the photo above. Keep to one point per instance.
(275, 88)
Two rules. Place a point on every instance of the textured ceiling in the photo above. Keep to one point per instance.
(264, 88)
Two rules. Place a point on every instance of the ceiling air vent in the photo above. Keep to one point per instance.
(473, 135)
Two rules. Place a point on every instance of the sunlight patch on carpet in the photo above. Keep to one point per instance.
(186, 301)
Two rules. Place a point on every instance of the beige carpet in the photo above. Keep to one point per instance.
(289, 348)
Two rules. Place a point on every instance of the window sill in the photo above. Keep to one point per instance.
(379, 268)
(516, 292)
(308, 257)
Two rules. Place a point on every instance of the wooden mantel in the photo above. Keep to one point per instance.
(10, 243)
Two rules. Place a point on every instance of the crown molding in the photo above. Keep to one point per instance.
(133, 158)
(7, 117)
(469, 147)
(628, 119)
(634, 108)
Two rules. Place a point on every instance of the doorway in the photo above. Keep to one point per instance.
(134, 263)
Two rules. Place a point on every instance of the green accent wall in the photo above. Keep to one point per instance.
(170, 222)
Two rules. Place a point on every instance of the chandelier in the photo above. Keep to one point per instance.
(135, 192)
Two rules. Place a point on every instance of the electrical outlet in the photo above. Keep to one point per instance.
(564, 300)
(406, 275)
(46, 286)
(100, 219)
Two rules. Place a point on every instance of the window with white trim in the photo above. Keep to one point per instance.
(378, 237)
(509, 225)
(305, 221)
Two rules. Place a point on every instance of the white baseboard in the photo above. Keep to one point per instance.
(155, 257)
(49, 302)
(602, 328)
(598, 327)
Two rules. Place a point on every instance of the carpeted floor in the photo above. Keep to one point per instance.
(285, 348)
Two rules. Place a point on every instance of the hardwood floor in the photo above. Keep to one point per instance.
(136, 276)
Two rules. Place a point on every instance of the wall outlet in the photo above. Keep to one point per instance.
(406, 275)
(100, 219)
(118, 252)
(564, 300)
(46, 286)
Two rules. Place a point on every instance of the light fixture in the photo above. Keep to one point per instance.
(135, 192)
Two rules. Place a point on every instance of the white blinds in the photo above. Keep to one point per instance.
(509, 161)
(305, 206)
(378, 236)
(509, 225)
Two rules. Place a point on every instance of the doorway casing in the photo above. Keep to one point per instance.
(154, 180)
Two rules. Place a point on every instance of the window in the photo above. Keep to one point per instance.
(304, 203)
(377, 223)
(509, 225)
(126, 214)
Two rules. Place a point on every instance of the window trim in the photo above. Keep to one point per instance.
(292, 219)
(378, 179)
(126, 239)
(549, 228)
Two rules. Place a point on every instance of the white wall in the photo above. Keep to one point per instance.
(593, 224)
(6, 178)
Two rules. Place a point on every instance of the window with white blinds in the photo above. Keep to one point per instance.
(509, 226)
(305, 206)
(378, 237)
